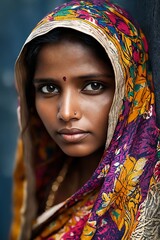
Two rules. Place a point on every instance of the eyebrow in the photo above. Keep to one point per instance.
(43, 80)
(83, 77)
(96, 75)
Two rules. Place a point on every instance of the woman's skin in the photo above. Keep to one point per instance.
(74, 93)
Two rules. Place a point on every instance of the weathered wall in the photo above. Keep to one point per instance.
(150, 21)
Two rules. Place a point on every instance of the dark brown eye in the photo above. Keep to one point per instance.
(94, 86)
(49, 89)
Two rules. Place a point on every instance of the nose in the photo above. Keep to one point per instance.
(69, 107)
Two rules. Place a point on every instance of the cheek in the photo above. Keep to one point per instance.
(98, 119)
(98, 110)
(45, 112)
(40, 108)
(99, 114)
(102, 122)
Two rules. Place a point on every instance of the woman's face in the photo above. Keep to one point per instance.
(74, 93)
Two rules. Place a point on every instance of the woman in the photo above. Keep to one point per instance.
(87, 161)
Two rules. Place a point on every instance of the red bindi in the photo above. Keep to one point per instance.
(64, 78)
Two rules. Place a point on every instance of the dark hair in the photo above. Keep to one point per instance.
(55, 36)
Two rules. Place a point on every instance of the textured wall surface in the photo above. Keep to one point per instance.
(151, 23)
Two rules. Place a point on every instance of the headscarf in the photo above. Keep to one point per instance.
(121, 199)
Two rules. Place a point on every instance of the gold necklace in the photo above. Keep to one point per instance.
(56, 184)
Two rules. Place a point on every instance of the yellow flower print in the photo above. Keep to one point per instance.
(126, 195)
(141, 103)
(88, 231)
(128, 192)
(107, 198)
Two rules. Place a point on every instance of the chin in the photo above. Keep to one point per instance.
(75, 154)
(78, 152)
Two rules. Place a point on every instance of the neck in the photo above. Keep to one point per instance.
(79, 172)
(84, 167)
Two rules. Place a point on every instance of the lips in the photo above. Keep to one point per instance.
(72, 135)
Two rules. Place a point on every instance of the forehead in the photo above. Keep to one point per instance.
(68, 53)
(68, 58)
(78, 44)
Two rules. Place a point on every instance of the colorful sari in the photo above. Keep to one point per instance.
(122, 198)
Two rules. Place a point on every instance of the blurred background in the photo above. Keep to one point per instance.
(17, 19)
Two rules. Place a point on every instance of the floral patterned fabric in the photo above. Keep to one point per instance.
(121, 200)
